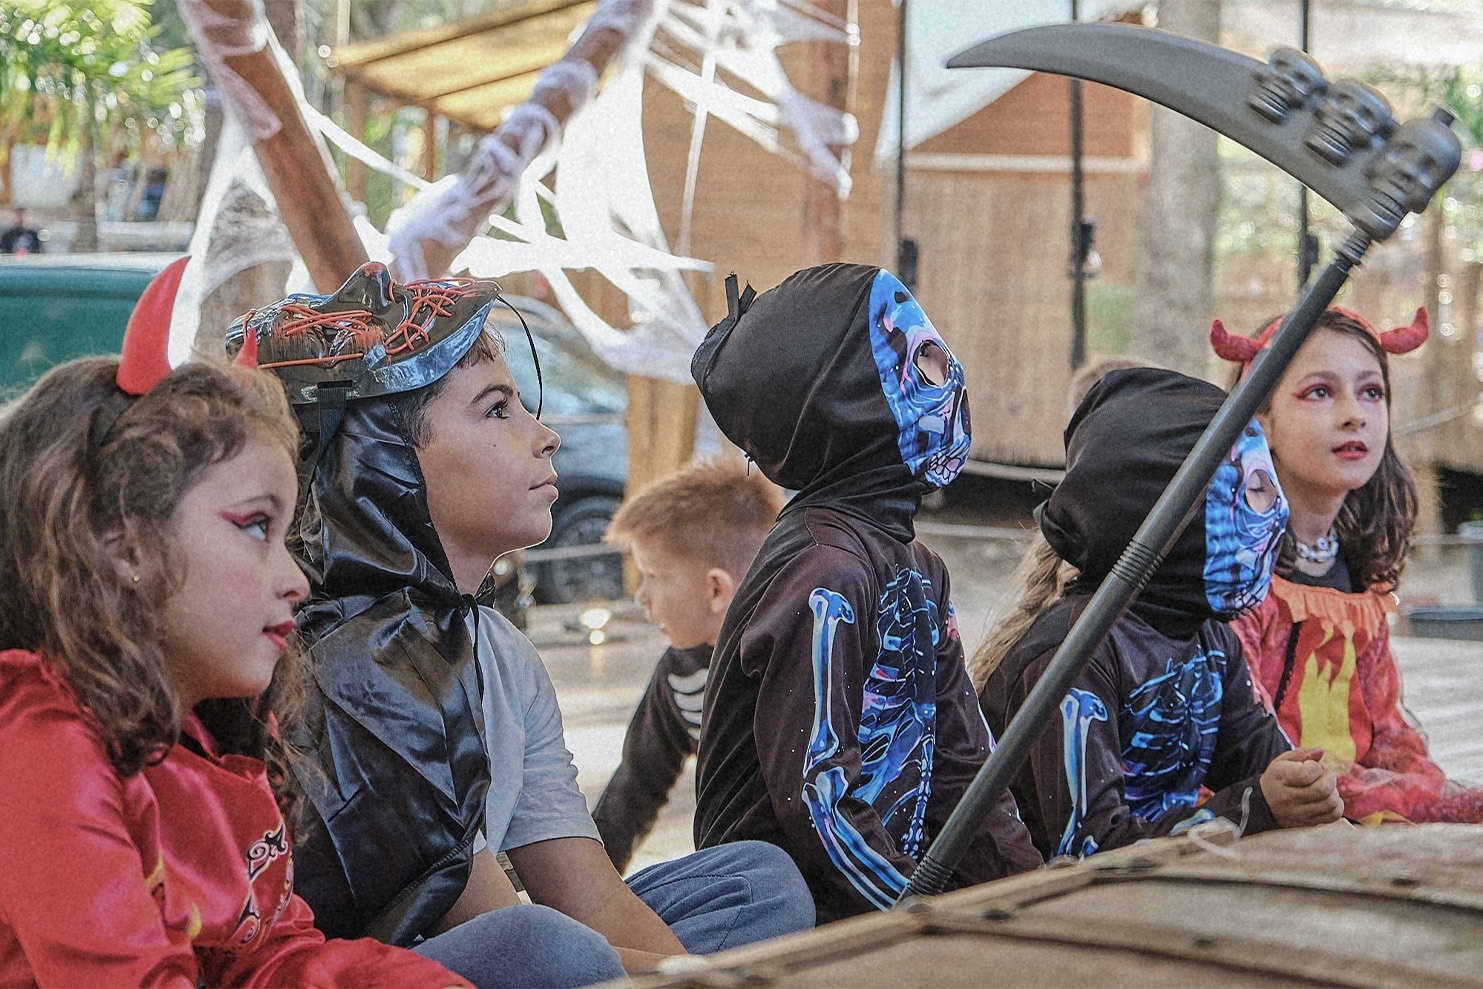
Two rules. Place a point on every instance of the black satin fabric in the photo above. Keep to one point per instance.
(793, 382)
(395, 722)
(1123, 445)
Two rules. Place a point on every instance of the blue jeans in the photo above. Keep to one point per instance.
(713, 899)
(727, 896)
(524, 946)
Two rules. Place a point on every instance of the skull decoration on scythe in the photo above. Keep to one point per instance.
(1351, 117)
(1289, 81)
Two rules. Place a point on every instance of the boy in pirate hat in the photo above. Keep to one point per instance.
(432, 719)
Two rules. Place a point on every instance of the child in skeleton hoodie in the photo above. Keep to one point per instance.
(840, 723)
(1164, 708)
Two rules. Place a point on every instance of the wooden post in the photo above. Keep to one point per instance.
(661, 437)
(597, 46)
(308, 197)
(831, 84)
(355, 124)
(430, 161)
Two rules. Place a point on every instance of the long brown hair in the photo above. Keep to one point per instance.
(1376, 520)
(1039, 581)
(61, 594)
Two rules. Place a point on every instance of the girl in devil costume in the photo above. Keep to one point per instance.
(1319, 645)
(146, 618)
(1164, 710)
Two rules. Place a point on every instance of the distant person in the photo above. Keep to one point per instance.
(1319, 645)
(21, 238)
(839, 721)
(693, 535)
(1162, 729)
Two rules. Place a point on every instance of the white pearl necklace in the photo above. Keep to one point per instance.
(1322, 551)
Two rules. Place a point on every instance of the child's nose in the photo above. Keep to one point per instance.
(1353, 410)
(293, 585)
(547, 440)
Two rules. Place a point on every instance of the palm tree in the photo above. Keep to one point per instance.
(84, 76)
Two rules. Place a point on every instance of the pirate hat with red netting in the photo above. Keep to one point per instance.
(371, 337)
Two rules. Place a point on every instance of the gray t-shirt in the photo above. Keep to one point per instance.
(533, 793)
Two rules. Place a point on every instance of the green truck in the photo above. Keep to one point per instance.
(54, 307)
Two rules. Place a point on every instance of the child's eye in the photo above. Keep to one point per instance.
(1317, 391)
(499, 410)
(1261, 494)
(256, 526)
(1375, 393)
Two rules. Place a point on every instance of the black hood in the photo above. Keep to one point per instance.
(395, 721)
(1123, 446)
(365, 527)
(814, 381)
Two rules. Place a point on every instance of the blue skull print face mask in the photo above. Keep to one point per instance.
(1245, 516)
(923, 383)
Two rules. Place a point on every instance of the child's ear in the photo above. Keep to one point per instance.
(122, 556)
(720, 589)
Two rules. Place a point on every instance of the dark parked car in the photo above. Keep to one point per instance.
(54, 307)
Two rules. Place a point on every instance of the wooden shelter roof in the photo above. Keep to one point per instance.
(471, 69)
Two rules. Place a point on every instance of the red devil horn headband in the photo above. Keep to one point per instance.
(1228, 346)
(144, 355)
(1404, 339)
(1243, 350)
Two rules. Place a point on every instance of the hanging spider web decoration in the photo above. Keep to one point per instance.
(589, 179)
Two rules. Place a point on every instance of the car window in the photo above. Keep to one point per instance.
(576, 381)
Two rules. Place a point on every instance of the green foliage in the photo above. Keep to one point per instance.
(1416, 91)
(74, 63)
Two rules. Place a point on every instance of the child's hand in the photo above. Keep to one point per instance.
(1300, 792)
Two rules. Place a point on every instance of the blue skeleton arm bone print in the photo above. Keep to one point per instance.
(1079, 709)
(826, 786)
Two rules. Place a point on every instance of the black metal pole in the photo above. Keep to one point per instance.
(1160, 529)
(905, 256)
(1307, 241)
(1079, 232)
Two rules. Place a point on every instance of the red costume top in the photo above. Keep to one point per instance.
(1342, 693)
(179, 875)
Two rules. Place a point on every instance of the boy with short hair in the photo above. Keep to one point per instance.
(432, 720)
(692, 535)
(840, 723)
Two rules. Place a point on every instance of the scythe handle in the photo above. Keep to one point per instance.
(1139, 560)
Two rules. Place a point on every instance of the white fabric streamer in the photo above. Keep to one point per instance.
(220, 36)
(600, 194)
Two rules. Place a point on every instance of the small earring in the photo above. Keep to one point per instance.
(136, 578)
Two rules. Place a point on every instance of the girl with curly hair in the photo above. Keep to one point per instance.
(146, 627)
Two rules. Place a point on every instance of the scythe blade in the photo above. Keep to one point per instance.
(1221, 89)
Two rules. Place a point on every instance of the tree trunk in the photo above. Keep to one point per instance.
(1175, 268)
(85, 205)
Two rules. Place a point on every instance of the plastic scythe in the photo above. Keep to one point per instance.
(1339, 140)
